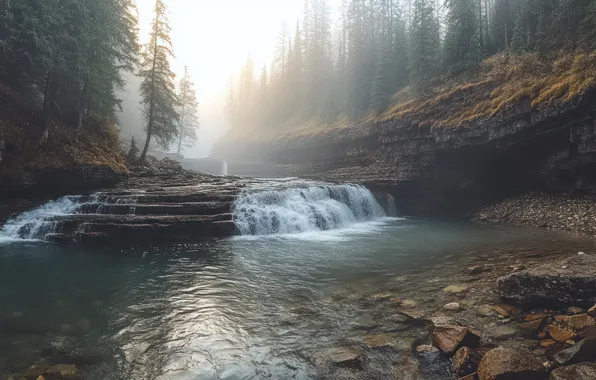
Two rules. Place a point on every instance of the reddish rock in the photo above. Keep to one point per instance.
(560, 333)
(502, 312)
(465, 361)
(592, 311)
(449, 338)
(548, 343)
(509, 364)
(578, 322)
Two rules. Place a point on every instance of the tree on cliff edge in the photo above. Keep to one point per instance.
(158, 90)
(189, 112)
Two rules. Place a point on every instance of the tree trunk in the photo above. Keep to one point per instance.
(152, 100)
(181, 128)
(47, 108)
(81, 109)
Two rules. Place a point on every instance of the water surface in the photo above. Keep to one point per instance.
(246, 307)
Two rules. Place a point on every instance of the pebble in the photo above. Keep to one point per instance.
(453, 306)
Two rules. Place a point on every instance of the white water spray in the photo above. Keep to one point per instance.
(304, 208)
(35, 224)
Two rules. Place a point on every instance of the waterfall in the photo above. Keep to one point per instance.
(37, 223)
(304, 207)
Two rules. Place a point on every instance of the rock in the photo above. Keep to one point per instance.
(575, 310)
(587, 333)
(551, 286)
(379, 340)
(382, 296)
(405, 344)
(576, 322)
(407, 368)
(510, 364)
(486, 311)
(465, 361)
(449, 338)
(534, 316)
(64, 370)
(408, 304)
(581, 371)
(454, 289)
(426, 349)
(365, 323)
(453, 306)
(35, 370)
(583, 351)
(502, 312)
(592, 311)
(343, 357)
(548, 343)
(501, 333)
(442, 321)
(531, 328)
(478, 269)
(560, 333)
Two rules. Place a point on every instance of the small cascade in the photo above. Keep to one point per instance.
(52, 218)
(304, 207)
(39, 222)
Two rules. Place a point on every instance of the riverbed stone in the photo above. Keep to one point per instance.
(581, 371)
(503, 332)
(465, 361)
(443, 321)
(583, 351)
(343, 356)
(574, 310)
(64, 370)
(510, 364)
(592, 311)
(449, 338)
(486, 311)
(426, 349)
(453, 306)
(531, 328)
(406, 368)
(577, 322)
(455, 289)
(553, 284)
(560, 333)
(379, 340)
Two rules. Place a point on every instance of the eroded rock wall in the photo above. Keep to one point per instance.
(447, 169)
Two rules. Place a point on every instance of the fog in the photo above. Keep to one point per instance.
(213, 38)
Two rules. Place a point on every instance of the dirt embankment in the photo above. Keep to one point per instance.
(70, 161)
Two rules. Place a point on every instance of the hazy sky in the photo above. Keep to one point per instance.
(214, 37)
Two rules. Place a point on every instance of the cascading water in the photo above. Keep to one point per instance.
(304, 207)
(37, 223)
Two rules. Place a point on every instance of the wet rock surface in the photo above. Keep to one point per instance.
(564, 283)
(509, 364)
(582, 371)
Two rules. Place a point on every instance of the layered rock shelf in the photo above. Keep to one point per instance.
(176, 208)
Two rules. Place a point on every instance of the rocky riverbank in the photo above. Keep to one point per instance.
(562, 211)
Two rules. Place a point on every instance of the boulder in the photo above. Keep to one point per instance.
(576, 322)
(552, 285)
(583, 351)
(449, 338)
(560, 333)
(465, 361)
(531, 328)
(581, 371)
(510, 364)
(592, 311)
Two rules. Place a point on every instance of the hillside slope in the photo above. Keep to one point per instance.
(517, 124)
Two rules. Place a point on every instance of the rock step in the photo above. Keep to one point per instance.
(193, 208)
(184, 231)
(65, 220)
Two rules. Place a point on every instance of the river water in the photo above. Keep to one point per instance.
(271, 305)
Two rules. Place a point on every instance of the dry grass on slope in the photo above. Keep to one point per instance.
(502, 81)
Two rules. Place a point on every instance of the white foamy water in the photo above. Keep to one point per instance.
(304, 208)
(34, 224)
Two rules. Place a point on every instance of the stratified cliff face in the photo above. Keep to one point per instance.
(446, 169)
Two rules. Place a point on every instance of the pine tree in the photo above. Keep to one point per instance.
(462, 48)
(425, 44)
(518, 41)
(189, 113)
(157, 89)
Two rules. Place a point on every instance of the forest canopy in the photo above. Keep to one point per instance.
(326, 70)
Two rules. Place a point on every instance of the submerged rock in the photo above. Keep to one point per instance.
(510, 364)
(570, 282)
(342, 357)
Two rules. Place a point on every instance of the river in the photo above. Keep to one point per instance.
(274, 303)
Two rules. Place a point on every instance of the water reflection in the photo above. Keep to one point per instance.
(244, 308)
